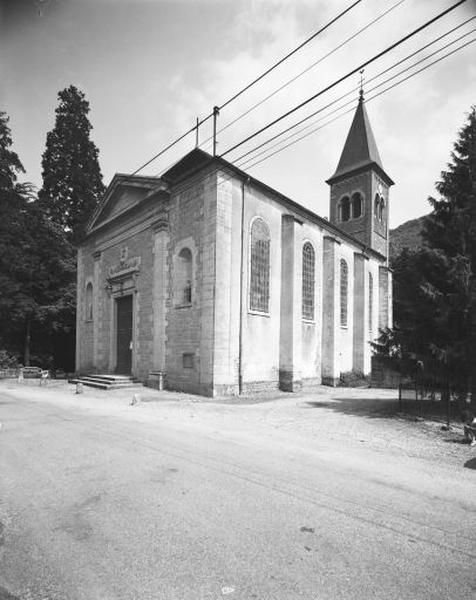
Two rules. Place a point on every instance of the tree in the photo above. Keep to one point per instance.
(37, 267)
(435, 287)
(72, 180)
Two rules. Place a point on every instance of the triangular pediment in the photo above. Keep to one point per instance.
(124, 193)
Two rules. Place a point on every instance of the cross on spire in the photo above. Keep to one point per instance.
(361, 91)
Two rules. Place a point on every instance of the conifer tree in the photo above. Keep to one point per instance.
(435, 287)
(37, 267)
(72, 180)
(451, 232)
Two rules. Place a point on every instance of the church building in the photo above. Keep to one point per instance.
(225, 286)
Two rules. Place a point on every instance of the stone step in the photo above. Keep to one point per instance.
(108, 382)
(108, 378)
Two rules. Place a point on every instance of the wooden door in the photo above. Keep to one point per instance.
(124, 335)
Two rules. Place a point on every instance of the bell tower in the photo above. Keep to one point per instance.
(359, 195)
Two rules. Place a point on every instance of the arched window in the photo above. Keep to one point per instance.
(344, 209)
(356, 205)
(184, 276)
(381, 210)
(344, 280)
(308, 267)
(377, 206)
(259, 266)
(89, 302)
(371, 302)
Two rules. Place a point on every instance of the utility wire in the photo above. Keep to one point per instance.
(225, 178)
(229, 177)
(368, 100)
(344, 77)
(352, 91)
(309, 39)
(281, 133)
(306, 70)
(248, 86)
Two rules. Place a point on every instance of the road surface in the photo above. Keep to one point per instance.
(142, 503)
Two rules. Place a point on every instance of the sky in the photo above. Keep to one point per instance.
(149, 68)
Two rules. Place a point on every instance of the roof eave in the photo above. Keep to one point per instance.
(340, 176)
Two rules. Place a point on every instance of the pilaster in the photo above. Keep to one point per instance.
(290, 350)
(360, 313)
(96, 301)
(159, 293)
(79, 301)
(330, 313)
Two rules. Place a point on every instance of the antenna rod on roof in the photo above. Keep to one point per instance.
(216, 112)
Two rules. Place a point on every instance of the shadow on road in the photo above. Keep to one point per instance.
(5, 595)
(374, 408)
(471, 463)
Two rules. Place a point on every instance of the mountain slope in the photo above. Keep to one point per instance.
(407, 235)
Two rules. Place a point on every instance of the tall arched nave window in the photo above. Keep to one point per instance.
(184, 275)
(344, 283)
(259, 266)
(371, 302)
(89, 302)
(308, 269)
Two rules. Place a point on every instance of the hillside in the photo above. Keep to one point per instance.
(407, 235)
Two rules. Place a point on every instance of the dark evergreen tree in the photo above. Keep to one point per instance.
(72, 180)
(435, 287)
(37, 265)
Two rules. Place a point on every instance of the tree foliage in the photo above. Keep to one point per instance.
(72, 180)
(37, 263)
(435, 287)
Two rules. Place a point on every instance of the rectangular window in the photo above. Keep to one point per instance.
(188, 361)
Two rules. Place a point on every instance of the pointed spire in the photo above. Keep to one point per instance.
(360, 149)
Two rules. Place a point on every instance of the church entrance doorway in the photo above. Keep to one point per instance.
(124, 335)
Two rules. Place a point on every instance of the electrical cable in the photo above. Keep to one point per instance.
(344, 77)
(279, 62)
(367, 100)
(306, 70)
(229, 177)
(248, 86)
(278, 135)
(253, 150)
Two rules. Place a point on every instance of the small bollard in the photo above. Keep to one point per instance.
(135, 399)
(20, 376)
(79, 388)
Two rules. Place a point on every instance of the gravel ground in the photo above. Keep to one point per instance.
(354, 416)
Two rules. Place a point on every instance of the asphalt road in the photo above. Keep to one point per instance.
(100, 506)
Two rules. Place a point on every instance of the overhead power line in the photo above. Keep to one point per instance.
(322, 109)
(226, 178)
(279, 62)
(306, 70)
(248, 86)
(344, 77)
(352, 109)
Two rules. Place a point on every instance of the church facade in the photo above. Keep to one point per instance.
(225, 286)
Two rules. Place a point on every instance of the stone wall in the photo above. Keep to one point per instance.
(189, 328)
